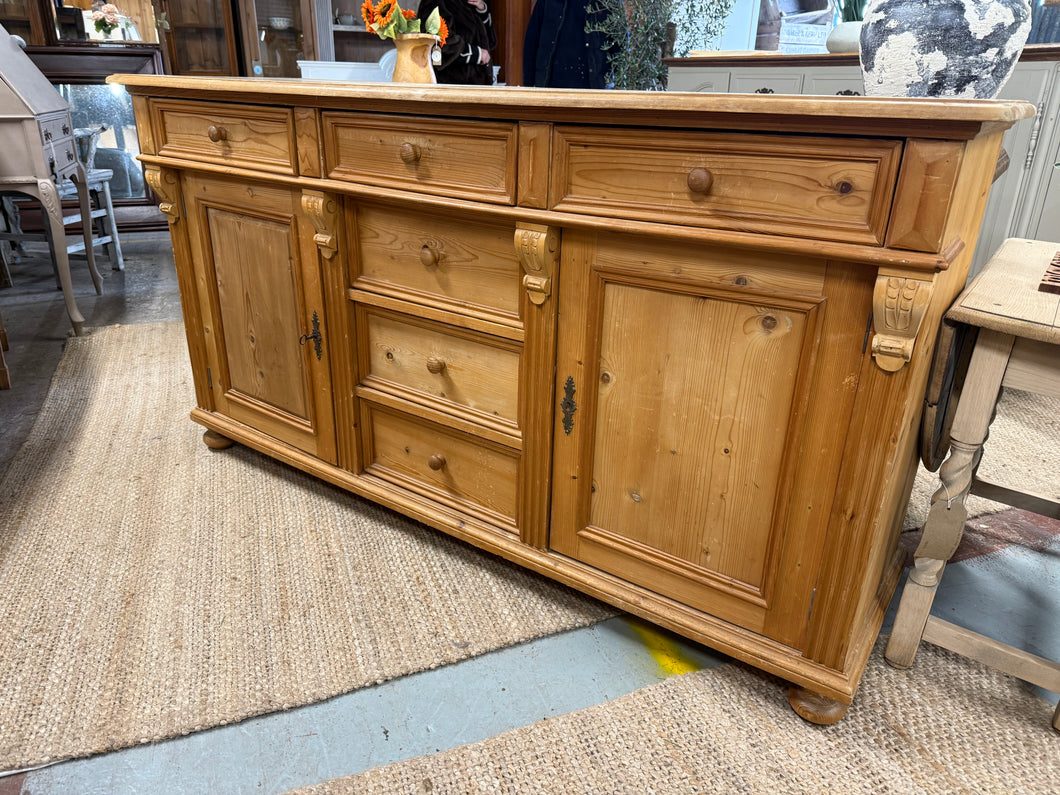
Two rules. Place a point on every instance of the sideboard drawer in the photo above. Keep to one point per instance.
(429, 257)
(472, 160)
(442, 366)
(791, 185)
(257, 137)
(443, 465)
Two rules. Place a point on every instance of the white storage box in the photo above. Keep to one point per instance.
(346, 71)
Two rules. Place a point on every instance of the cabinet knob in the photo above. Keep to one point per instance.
(436, 461)
(435, 365)
(217, 134)
(700, 180)
(410, 153)
(428, 256)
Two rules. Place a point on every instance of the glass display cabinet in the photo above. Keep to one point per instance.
(23, 18)
(201, 39)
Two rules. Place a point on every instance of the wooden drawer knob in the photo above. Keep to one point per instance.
(436, 461)
(700, 180)
(428, 256)
(217, 134)
(435, 365)
(410, 153)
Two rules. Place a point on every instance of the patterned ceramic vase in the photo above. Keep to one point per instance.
(942, 48)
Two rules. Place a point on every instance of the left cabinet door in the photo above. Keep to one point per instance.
(259, 286)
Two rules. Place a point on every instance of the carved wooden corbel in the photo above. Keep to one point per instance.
(537, 248)
(898, 307)
(323, 212)
(166, 186)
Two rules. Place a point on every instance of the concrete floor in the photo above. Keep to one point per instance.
(1006, 590)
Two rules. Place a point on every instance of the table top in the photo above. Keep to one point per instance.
(1005, 295)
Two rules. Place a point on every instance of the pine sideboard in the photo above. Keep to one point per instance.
(669, 349)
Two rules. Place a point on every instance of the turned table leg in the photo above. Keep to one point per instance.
(945, 523)
(814, 707)
(216, 441)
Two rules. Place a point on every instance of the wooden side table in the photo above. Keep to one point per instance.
(1018, 345)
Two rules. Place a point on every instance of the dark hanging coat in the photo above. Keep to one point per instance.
(469, 31)
(558, 53)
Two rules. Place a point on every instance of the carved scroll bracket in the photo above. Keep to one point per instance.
(898, 307)
(537, 248)
(323, 212)
(166, 186)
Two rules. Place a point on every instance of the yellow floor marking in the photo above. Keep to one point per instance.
(667, 654)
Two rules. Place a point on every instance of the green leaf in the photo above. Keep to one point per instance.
(433, 23)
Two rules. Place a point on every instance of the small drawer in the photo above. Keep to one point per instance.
(54, 128)
(434, 258)
(766, 81)
(454, 370)
(246, 136)
(448, 467)
(797, 186)
(61, 155)
(471, 160)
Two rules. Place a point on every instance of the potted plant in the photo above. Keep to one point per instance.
(844, 36)
(639, 34)
(415, 40)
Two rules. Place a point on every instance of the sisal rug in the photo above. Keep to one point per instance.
(150, 587)
(948, 725)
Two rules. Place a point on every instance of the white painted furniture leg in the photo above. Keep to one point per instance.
(945, 523)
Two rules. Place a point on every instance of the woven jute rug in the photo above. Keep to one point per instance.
(150, 587)
(947, 725)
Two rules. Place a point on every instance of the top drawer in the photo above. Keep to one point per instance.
(790, 185)
(445, 157)
(247, 136)
(54, 128)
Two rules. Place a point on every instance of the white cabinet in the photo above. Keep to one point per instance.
(1024, 202)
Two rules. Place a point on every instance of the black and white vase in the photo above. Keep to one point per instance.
(942, 48)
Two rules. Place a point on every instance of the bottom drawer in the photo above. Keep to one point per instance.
(466, 473)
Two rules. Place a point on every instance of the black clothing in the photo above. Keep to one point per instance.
(558, 53)
(470, 30)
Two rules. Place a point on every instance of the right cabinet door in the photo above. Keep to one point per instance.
(699, 420)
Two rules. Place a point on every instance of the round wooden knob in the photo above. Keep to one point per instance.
(436, 461)
(428, 256)
(410, 153)
(700, 180)
(435, 365)
(217, 134)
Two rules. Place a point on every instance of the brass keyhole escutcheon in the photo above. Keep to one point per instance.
(436, 461)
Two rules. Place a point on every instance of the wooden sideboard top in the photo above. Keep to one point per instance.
(949, 118)
(773, 59)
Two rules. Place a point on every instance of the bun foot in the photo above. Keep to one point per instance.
(814, 707)
(216, 441)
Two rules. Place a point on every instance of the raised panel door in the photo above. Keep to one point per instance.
(684, 414)
(261, 296)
